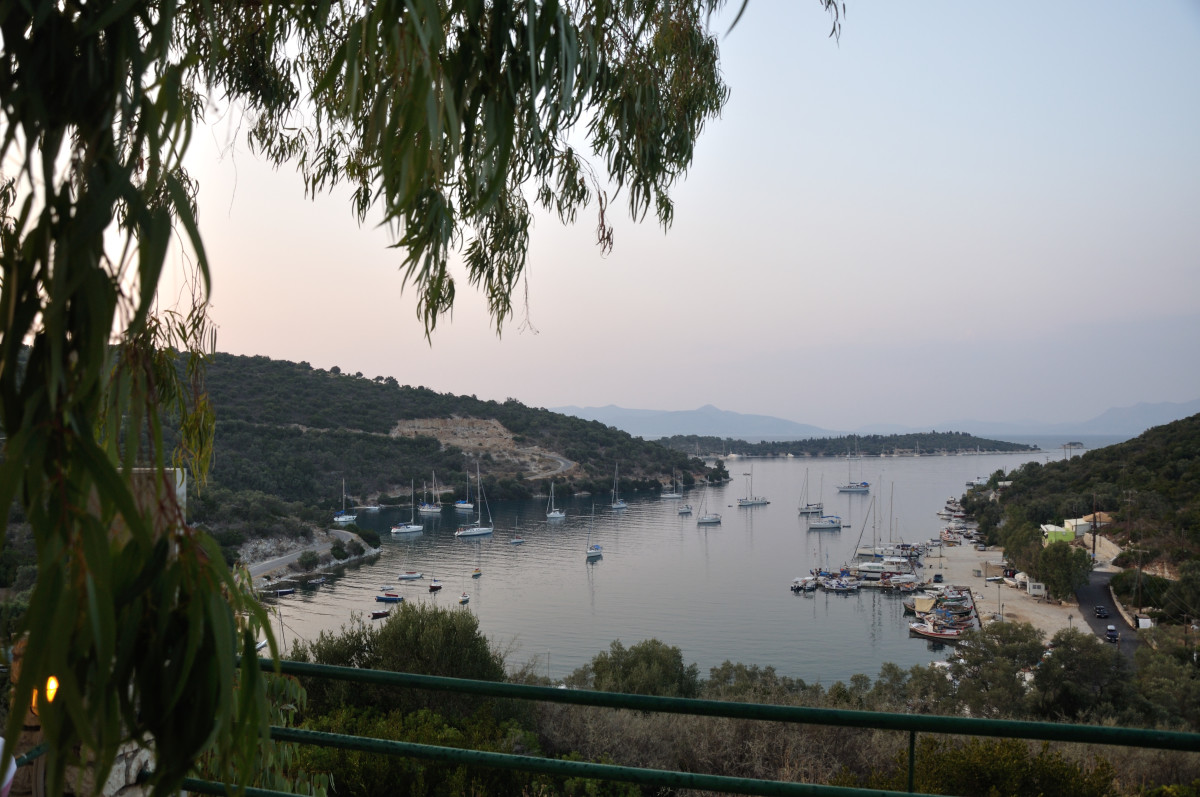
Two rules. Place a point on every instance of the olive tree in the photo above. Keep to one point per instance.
(444, 117)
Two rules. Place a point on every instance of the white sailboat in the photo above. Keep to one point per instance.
(852, 486)
(464, 504)
(825, 522)
(553, 512)
(427, 508)
(594, 551)
(807, 508)
(344, 516)
(751, 499)
(477, 529)
(617, 501)
(707, 518)
(674, 493)
(411, 527)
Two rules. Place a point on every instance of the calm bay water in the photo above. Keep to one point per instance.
(717, 592)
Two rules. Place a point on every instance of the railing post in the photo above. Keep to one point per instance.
(912, 759)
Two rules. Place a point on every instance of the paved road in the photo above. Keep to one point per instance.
(260, 568)
(564, 464)
(1096, 594)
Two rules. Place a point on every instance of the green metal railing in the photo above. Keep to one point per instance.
(909, 723)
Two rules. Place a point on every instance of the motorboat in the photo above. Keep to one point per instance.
(389, 597)
(931, 631)
(685, 509)
(380, 614)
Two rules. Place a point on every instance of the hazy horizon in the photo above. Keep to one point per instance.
(955, 211)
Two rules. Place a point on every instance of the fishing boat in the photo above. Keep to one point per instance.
(410, 575)
(804, 584)
(552, 511)
(412, 526)
(477, 529)
(807, 508)
(344, 516)
(617, 501)
(825, 522)
(931, 631)
(380, 614)
(707, 518)
(751, 499)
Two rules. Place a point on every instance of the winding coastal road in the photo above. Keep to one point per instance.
(262, 569)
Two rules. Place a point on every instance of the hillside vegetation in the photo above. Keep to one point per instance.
(294, 432)
(1150, 486)
(871, 445)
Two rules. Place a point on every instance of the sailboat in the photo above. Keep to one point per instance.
(434, 508)
(706, 518)
(807, 508)
(477, 528)
(344, 516)
(751, 499)
(853, 486)
(411, 527)
(464, 504)
(674, 493)
(553, 512)
(594, 551)
(617, 501)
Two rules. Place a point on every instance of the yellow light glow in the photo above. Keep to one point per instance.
(51, 688)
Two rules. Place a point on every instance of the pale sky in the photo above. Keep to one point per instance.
(959, 211)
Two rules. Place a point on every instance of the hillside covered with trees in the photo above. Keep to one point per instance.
(292, 431)
(1149, 486)
(871, 445)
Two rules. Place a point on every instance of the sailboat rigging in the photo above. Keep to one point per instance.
(617, 501)
(751, 499)
(594, 551)
(807, 508)
(477, 528)
(411, 527)
(553, 512)
(344, 516)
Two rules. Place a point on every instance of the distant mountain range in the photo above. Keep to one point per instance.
(709, 420)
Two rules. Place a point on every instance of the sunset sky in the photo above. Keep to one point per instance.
(957, 211)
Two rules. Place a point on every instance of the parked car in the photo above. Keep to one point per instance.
(1102, 611)
(937, 578)
(1112, 635)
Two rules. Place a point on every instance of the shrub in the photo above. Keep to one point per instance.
(355, 548)
(338, 551)
(370, 537)
(309, 560)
